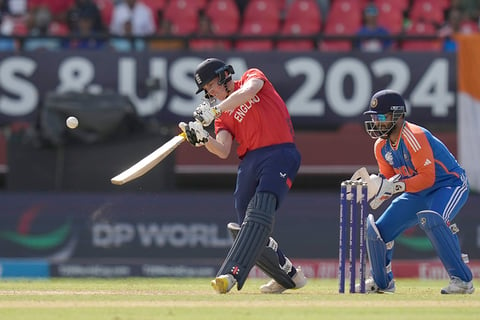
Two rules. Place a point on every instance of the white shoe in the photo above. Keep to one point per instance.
(274, 287)
(371, 287)
(223, 283)
(457, 286)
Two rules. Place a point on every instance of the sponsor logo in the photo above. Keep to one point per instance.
(198, 79)
(176, 235)
(25, 235)
(389, 158)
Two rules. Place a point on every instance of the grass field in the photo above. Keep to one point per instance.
(169, 298)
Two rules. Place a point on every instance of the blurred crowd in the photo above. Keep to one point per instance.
(124, 25)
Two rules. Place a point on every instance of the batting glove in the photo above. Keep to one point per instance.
(386, 189)
(205, 113)
(194, 132)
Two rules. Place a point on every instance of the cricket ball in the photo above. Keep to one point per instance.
(72, 122)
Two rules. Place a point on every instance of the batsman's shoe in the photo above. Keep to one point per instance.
(457, 286)
(371, 287)
(223, 283)
(273, 287)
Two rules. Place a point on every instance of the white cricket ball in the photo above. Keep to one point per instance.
(72, 122)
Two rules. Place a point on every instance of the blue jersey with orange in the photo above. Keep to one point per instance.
(262, 121)
(421, 159)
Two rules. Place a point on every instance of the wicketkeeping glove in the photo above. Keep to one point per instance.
(205, 113)
(386, 189)
(195, 133)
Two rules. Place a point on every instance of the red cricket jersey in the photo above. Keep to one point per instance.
(262, 121)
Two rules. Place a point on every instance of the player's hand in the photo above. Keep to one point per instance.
(386, 189)
(373, 181)
(205, 113)
(194, 133)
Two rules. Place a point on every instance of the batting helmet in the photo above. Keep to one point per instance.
(211, 68)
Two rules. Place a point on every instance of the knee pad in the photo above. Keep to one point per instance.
(377, 252)
(251, 238)
(445, 244)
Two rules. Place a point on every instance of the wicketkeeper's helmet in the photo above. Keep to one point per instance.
(211, 68)
(382, 103)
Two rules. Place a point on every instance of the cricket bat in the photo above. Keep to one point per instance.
(150, 161)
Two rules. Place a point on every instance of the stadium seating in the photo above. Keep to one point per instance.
(155, 5)
(224, 16)
(390, 16)
(106, 10)
(338, 24)
(260, 18)
(421, 28)
(183, 16)
(266, 11)
(398, 5)
(220, 18)
(20, 27)
(290, 18)
(255, 28)
(427, 10)
(303, 18)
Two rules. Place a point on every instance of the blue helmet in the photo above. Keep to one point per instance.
(381, 104)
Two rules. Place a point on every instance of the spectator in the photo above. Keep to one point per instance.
(457, 22)
(17, 7)
(84, 8)
(127, 42)
(471, 8)
(39, 21)
(57, 8)
(205, 29)
(371, 36)
(6, 28)
(165, 29)
(138, 15)
(85, 35)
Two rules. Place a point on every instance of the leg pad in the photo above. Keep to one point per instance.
(268, 261)
(251, 239)
(445, 243)
(377, 252)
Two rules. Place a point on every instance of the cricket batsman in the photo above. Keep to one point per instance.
(251, 112)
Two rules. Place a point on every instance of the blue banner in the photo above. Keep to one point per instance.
(182, 228)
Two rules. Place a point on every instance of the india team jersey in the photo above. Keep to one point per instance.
(262, 121)
(422, 160)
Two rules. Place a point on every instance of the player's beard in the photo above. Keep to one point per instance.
(388, 132)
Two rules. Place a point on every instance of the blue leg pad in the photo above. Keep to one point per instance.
(377, 252)
(445, 244)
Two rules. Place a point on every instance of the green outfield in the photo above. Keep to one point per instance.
(168, 298)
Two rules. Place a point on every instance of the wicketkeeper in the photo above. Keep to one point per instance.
(250, 111)
(431, 187)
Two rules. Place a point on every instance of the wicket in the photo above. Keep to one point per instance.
(353, 211)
